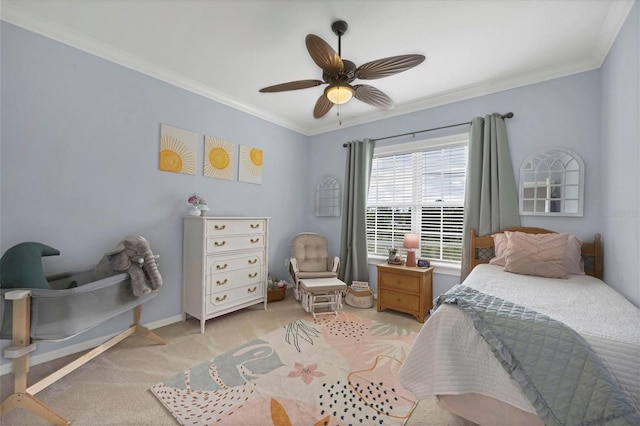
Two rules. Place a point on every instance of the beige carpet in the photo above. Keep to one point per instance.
(113, 389)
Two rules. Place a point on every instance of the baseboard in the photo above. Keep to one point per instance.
(5, 367)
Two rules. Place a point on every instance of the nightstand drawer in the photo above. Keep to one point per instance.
(400, 301)
(406, 283)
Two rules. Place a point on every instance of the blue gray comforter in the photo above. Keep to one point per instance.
(561, 375)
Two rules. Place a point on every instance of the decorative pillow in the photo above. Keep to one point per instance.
(574, 261)
(21, 266)
(499, 249)
(536, 254)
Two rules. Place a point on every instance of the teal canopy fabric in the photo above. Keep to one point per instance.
(491, 196)
(21, 266)
(353, 240)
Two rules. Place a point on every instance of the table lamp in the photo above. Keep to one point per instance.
(411, 242)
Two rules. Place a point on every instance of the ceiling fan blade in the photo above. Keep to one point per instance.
(388, 66)
(323, 55)
(372, 96)
(292, 85)
(323, 105)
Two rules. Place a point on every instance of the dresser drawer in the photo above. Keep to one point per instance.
(233, 279)
(217, 227)
(224, 299)
(223, 244)
(399, 282)
(219, 264)
(400, 301)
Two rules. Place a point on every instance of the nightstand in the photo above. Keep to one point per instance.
(405, 289)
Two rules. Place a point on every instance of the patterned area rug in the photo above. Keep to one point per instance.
(328, 371)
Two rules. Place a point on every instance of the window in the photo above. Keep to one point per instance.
(418, 188)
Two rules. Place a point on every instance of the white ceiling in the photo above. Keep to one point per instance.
(227, 50)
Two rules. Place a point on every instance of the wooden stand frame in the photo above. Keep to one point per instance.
(23, 396)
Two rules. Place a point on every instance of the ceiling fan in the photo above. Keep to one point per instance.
(339, 73)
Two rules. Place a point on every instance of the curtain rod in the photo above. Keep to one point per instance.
(507, 115)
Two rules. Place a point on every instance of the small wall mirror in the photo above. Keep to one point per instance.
(552, 183)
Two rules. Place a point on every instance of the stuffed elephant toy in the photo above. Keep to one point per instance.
(134, 256)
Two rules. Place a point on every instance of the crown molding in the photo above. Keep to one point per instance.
(617, 16)
(607, 35)
(46, 28)
(482, 88)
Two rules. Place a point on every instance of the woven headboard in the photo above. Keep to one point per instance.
(482, 249)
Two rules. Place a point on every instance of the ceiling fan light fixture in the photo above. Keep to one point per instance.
(339, 93)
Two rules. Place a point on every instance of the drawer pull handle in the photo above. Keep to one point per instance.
(255, 225)
(219, 227)
(252, 261)
(255, 274)
(220, 299)
(219, 244)
(218, 267)
(226, 280)
(252, 290)
(255, 240)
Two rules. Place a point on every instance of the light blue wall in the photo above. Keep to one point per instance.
(79, 154)
(620, 157)
(80, 141)
(564, 112)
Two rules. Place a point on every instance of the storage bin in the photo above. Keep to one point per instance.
(359, 298)
(275, 295)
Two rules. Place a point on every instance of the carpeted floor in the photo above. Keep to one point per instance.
(114, 388)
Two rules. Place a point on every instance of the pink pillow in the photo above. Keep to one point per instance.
(574, 261)
(499, 249)
(536, 254)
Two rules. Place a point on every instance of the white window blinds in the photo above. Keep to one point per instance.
(421, 191)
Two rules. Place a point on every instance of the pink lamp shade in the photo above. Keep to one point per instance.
(411, 242)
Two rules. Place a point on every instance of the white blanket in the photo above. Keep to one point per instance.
(450, 358)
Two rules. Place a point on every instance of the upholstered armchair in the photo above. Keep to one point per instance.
(311, 260)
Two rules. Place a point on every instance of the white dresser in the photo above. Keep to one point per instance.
(224, 265)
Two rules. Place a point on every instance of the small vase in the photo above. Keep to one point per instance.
(194, 211)
(203, 209)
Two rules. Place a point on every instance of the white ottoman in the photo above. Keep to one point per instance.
(322, 292)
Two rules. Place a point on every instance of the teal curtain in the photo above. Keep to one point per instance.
(353, 240)
(491, 196)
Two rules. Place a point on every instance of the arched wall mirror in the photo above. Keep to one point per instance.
(552, 183)
(328, 197)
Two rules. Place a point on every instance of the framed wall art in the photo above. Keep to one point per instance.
(219, 156)
(250, 165)
(177, 150)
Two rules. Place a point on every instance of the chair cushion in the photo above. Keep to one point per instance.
(324, 274)
(311, 252)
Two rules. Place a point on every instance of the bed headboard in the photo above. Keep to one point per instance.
(482, 249)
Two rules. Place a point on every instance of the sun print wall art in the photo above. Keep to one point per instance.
(218, 158)
(177, 150)
(250, 165)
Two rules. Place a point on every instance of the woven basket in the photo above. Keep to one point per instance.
(359, 299)
(275, 295)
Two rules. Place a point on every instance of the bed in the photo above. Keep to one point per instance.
(461, 364)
